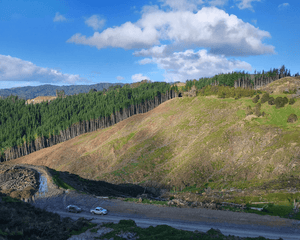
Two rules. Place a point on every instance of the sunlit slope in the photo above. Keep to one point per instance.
(186, 141)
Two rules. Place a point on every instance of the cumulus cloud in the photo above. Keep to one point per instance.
(210, 28)
(119, 78)
(283, 5)
(95, 22)
(15, 69)
(139, 77)
(189, 64)
(59, 18)
(246, 4)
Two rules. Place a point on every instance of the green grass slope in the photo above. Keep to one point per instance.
(188, 143)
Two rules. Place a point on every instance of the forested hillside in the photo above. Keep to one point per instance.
(50, 90)
(27, 128)
(241, 79)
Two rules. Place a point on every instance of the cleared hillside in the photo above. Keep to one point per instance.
(187, 142)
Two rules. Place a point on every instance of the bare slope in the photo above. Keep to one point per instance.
(188, 142)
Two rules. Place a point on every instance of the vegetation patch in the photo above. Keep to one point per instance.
(61, 183)
(161, 232)
(19, 220)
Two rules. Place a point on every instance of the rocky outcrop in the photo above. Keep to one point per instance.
(19, 182)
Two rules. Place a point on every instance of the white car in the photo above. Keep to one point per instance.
(99, 210)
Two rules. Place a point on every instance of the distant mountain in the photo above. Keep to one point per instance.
(50, 90)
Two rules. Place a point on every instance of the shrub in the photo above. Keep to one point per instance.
(249, 110)
(257, 110)
(285, 100)
(271, 101)
(265, 98)
(292, 118)
(292, 101)
(279, 102)
(255, 99)
(285, 91)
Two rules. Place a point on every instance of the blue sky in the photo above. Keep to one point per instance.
(86, 42)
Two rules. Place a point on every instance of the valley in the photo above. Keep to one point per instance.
(197, 153)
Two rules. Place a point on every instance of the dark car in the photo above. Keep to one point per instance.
(73, 208)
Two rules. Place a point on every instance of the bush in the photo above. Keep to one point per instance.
(279, 102)
(292, 118)
(292, 101)
(271, 101)
(265, 98)
(285, 100)
(257, 110)
(255, 99)
(249, 111)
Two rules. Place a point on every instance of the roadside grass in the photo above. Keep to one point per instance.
(9, 199)
(61, 183)
(148, 201)
(161, 232)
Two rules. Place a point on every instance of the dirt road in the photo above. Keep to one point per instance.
(230, 223)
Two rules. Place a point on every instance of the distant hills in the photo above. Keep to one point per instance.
(50, 90)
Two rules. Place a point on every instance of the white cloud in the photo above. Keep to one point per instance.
(95, 22)
(209, 28)
(59, 18)
(138, 77)
(15, 69)
(244, 4)
(180, 66)
(283, 5)
(156, 51)
(126, 36)
(119, 78)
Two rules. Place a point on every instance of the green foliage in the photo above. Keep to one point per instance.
(265, 98)
(257, 110)
(280, 102)
(249, 110)
(290, 91)
(292, 118)
(20, 123)
(61, 183)
(255, 99)
(8, 199)
(271, 101)
(292, 101)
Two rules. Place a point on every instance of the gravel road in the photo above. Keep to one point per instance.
(50, 198)
(230, 223)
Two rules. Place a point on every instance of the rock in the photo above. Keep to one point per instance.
(22, 182)
(127, 235)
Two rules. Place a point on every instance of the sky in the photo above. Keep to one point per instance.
(72, 42)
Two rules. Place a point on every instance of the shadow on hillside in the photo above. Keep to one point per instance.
(68, 180)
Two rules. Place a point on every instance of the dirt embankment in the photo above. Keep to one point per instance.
(40, 99)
